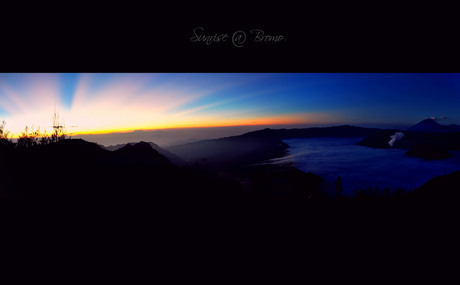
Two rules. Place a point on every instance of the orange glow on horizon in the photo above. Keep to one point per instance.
(290, 119)
(262, 121)
(103, 104)
(185, 126)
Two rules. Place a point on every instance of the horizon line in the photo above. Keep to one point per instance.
(306, 125)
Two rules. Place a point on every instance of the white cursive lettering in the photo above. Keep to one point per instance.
(207, 39)
(261, 37)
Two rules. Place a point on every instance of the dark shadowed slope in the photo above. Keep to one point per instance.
(139, 154)
(428, 152)
(174, 159)
(231, 152)
(441, 188)
(280, 182)
(454, 128)
(78, 169)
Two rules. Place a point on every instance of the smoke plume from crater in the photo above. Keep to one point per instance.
(395, 137)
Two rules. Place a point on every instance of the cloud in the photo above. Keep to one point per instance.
(440, 118)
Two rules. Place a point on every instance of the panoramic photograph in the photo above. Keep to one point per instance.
(205, 137)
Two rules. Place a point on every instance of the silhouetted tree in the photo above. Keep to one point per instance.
(59, 133)
(32, 137)
(3, 132)
(44, 138)
(400, 194)
(29, 138)
(4, 135)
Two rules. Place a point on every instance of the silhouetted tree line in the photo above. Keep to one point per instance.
(4, 135)
(381, 194)
(32, 137)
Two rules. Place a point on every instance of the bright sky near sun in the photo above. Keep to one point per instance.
(99, 103)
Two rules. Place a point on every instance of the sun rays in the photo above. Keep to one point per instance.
(102, 103)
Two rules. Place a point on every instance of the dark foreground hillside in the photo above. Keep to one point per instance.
(256, 215)
(191, 223)
(77, 169)
(445, 188)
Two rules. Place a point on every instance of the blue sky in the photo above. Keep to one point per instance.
(91, 103)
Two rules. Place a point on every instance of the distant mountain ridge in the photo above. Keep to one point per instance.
(431, 126)
(253, 147)
(336, 131)
(174, 159)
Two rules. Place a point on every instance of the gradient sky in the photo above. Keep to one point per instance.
(101, 103)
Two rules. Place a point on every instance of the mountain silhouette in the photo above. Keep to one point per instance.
(75, 150)
(140, 154)
(454, 128)
(427, 125)
(174, 159)
(336, 131)
(76, 168)
(431, 126)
